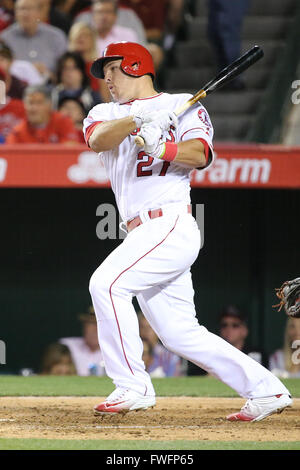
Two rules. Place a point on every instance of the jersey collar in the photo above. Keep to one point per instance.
(142, 99)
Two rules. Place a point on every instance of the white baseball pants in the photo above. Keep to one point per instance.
(153, 263)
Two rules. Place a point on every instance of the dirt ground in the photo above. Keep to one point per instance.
(172, 418)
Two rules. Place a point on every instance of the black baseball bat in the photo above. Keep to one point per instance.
(226, 75)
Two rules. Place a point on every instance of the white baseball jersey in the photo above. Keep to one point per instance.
(141, 182)
(153, 263)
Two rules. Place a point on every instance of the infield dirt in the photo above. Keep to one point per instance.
(184, 418)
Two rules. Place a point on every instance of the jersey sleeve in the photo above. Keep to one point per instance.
(97, 114)
(196, 124)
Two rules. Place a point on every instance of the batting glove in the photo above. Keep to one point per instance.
(163, 118)
(152, 135)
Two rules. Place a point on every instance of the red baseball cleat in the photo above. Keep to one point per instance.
(122, 401)
(256, 409)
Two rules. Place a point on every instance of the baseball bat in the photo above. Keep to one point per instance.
(223, 77)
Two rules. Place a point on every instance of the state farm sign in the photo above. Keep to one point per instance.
(236, 170)
(240, 166)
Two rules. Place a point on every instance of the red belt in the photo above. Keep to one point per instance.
(133, 223)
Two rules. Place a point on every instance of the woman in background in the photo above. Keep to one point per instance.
(83, 39)
(72, 82)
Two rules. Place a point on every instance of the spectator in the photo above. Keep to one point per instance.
(118, 23)
(14, 87)
(161, 19)
(11, 112)
(148, 358)
(42, 124)
(73, 82)
(85, 350)
(22, 70)
(74, 109)
(71, 7)
(49, 14)
(82, 39)
(233, 328)
(57, 360)
(104, 14)
(170, 365)
(225, 20)
(6, 14)
(125, 17)
(285, 362)
(32, 40)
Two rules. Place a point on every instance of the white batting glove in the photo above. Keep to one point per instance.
(162, 118)
(152, 136)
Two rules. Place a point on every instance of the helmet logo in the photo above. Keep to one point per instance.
(135, 66)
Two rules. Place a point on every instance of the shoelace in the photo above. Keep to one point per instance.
(246, 408)
(118, 396)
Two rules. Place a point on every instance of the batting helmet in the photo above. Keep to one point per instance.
(136, 59)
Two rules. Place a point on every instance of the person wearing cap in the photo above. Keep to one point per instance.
(85, 351)
(233, 328)
(149, 153)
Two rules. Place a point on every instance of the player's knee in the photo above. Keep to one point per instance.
(98, 284)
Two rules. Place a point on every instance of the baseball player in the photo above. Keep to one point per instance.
(152, 190)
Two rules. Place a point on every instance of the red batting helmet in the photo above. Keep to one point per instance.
(136, 59)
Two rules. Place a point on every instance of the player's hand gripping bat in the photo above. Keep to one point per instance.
(227, 74)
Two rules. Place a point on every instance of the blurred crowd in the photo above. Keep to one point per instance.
(47, 48)
(82, 355)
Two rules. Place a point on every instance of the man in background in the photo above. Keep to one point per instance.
(233, 328)
(32, 40)
(104, 14)
(42, 124)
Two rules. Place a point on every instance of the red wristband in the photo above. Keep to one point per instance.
(170, 151)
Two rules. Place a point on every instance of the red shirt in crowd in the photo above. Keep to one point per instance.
(60, 129)
(11, 113)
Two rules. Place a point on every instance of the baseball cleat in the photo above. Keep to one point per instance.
(123, 400)
(256, 409)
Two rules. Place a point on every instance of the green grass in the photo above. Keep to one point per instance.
(94, 386)
(102, 386)
(57, 444)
